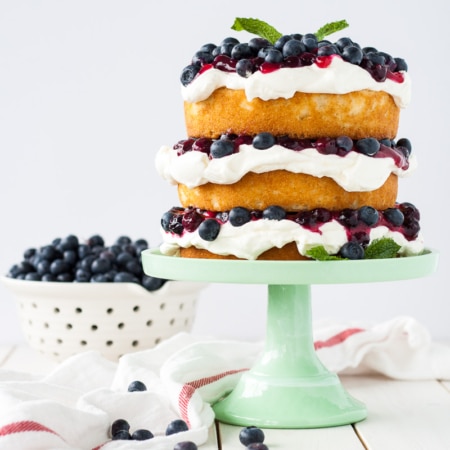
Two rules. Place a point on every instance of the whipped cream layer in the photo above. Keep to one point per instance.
(255, 237)
(354, 172)
(339, 77)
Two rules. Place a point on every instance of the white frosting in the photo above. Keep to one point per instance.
(255, 237)
(354, 172)
(340, 77)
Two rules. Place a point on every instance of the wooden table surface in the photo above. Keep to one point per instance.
(402, 415)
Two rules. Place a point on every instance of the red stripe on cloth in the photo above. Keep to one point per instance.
(188, 389)
(337, 338)
(25, 425)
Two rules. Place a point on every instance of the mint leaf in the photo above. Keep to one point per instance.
(382, 248)
(320, 254)
(330, 28)
(256, 26)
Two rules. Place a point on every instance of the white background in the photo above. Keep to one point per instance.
(89, 90)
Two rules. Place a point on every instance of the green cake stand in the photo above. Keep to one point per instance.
(288, 386)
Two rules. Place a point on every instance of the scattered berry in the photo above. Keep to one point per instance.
(137, 386)
(141, 435)
(119, 425)
(176, 426)
(121, 435)
(185, 445)
(257, 446)
(250, 435)
(352, 250)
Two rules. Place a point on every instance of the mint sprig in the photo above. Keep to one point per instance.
(266, 31)
(378, 249)
(330, 28)
(258, 27)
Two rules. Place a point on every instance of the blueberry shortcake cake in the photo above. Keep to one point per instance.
(292, 151)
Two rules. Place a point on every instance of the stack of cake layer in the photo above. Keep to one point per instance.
(292, 156)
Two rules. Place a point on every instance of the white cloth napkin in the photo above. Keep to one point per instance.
(73, 406)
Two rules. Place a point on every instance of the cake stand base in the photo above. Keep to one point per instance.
(288, 386)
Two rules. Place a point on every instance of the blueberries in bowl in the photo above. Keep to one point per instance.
(69, 259)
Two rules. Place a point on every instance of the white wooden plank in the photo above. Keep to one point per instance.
(5, 350)
(23, 358)
(412, 415)
(337, 438)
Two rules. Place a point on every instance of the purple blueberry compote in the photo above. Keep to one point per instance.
(295, 50)
(403, 218)
(228, 144)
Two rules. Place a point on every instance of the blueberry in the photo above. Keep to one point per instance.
(343, 43)
(401, 64)
(368, 146)
(137, 386)
(59, 266)
(48, 277)
(209, 229)
(122, 435)
(250, 435)
(293, 47)
(409, 211)
(241, 51)
(406, 143)
(257, 446)
(43, 266)
(141, 435)
(273, 56)
(185, 445)
(348, 217)
(230, 40)
(239, 216)
(171, 223)
(274, 213)
(119, 425)
(309, 41)
(352, 250)
(201, 58)
(176, 426)
(394, 216)
(208, 48)
(125, 277)
(33, 276)
(221, 148)
(188, 74)
(352, 54)
(152, 283)
(263, 141)
(96, 240)
(257, 43)
(82, 275)
(344, 143)
(281, 41)
(368, 215)
(327, 50)
(244, 68)
(100, 265)
(48, 252)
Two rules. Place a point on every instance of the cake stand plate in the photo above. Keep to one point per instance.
(288, 386)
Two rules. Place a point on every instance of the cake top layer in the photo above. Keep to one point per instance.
(296, 62)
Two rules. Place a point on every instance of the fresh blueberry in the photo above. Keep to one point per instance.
(250, 435)
(244, 68)
(327, 50)
(59, 266)
(343, 43)
(137, 386)
(348, 217)
(221, 148)
(281, 41)
(152, 283)
(394, 216)
(344, 143)
(202, 57)
(401, 64)
(368, 215)
(352, 54)
(293, 47)
(257, 43)
(257, 446)
(125, 277)
(274, 213)
(100, 265)
(406, 143)
(209, 229)
(273, 56)
(368, 146)
(352, 250)
(172, 223)
(241, 51)
(33, 276)
(263, 141)
(185, 445)
(119, 425)
(239, 216)
(96, 240)
(122, 435)
(309, 41)
(188, 74)
(176, 426)
(141, 435)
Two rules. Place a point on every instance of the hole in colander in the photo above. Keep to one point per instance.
(136, 308)
(172, 321)
(181, 306)
(162, 306)
(33, 305)
(109, 311)
(59, 341)
(46, 325)
(56, 310)
(186, 321)
(135, 343)
(157, 340)
(109, 343)
(83, 342)
(149, 323)
(120, 325)
(30, 322)
(94, 327)
(69, 326)
(78, 310)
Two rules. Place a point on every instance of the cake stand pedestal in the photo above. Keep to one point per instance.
(288, 386)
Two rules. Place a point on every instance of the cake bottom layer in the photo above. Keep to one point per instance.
(275, 234)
